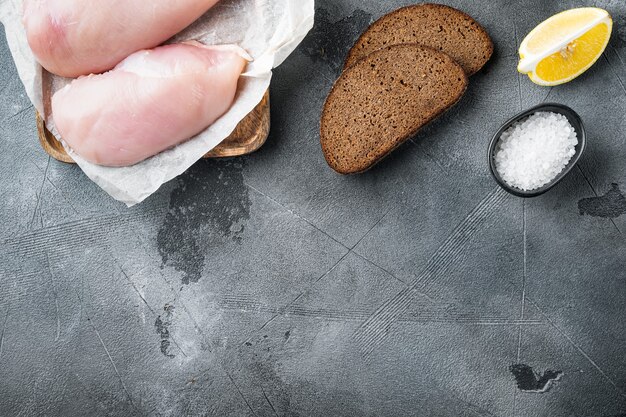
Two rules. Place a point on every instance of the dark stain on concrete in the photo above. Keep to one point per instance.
(610, 205)
(530, 381)
(209, 205)
(162, 325)
(331, 39)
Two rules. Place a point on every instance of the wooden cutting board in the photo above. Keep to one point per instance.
(249, 135)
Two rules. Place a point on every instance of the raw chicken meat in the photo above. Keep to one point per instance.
(79, 37)
(151, 101)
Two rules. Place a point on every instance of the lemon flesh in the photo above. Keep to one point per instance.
(565, 46)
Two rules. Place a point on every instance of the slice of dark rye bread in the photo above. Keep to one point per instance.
(383, 100)
(441, 27)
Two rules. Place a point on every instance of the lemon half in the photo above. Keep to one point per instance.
(564, 46)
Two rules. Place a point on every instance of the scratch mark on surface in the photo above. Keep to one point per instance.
(524, 275)
(324, 76)
(269, 321)
(4, 87)
(269, 402)
(447, 255)
(296, 215)
(56, 297)
(421, 317)
(43, 181)
(519, 79)
(277, 314)
(130, 398)
(374, 330)
(76, 233)
(321, 277)
(587, 180)
(371, 228)
(182, 304)
(207, 343)
(132, 284)
(427, 314)
(471, 407)
(19, 113)
(308, 289)
(617, 54)
(432, 158)
(239, 391)
(514, 411)
(4, 326)
(283, 309)
(80, 304)
(65, 196)
(548, 95)
(436, 161)
(378, 266)
(578, 348)
(614, 72)
(596, 194)
(520, 330)
(450, 398)
(351, 250)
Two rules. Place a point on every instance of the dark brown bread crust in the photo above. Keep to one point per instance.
(441, 27)
(383, 100)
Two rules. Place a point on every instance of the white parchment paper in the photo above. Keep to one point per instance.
(269, 30)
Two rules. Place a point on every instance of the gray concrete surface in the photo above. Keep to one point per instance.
(270, 286)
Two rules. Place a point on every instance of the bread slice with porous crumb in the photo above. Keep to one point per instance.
(441, 27)
(384, 99)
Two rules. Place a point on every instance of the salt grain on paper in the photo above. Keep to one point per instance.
(532, 152)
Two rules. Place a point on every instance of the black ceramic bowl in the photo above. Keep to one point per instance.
(576, 123)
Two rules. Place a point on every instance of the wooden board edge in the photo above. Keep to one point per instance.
(249, 135)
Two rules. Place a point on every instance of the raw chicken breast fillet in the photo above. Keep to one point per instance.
(151, 101)
(80, 37)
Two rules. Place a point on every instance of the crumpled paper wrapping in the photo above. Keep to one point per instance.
(269, 30)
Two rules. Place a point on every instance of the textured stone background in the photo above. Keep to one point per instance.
(270, 286)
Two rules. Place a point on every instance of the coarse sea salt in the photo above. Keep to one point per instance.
(533, 151)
